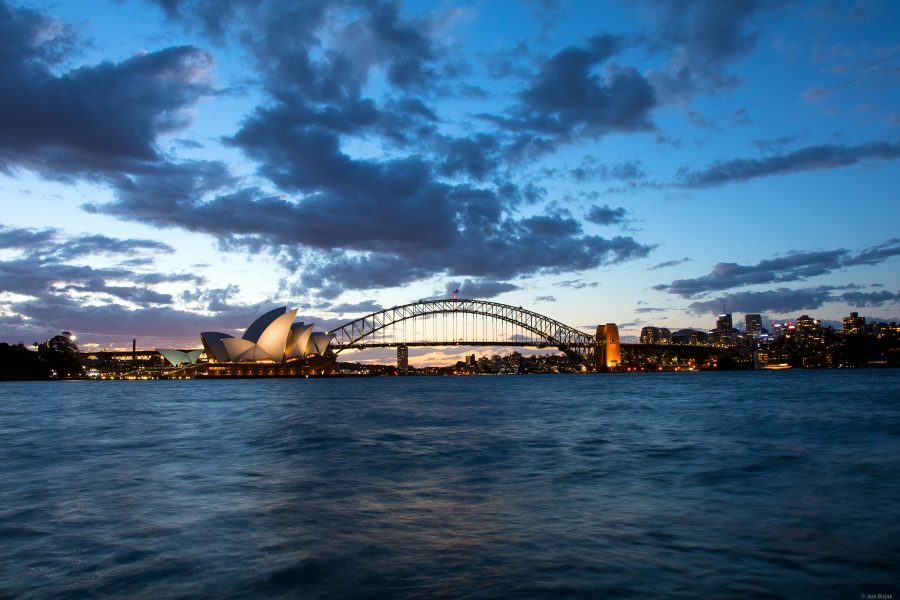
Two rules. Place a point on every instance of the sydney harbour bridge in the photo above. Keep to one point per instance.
(462, 322)
(275, 345)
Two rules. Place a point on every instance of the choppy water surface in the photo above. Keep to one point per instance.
(714, 485)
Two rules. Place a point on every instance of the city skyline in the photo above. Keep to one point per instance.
(172, 167)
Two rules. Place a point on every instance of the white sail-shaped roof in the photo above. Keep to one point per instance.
(273, 340)
(240, 349)
(299, 340)
(272, 337)
(258, 326)
(215, 349)
(180, 357)
(318, 342)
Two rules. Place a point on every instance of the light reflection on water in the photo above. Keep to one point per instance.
(675, 485)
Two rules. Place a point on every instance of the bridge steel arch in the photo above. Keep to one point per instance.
(361, 333)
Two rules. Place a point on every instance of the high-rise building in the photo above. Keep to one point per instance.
(403, 357)
(655, 335)
(724, 323)
(854, 324)
(753, 324)
(649, 335)
(807, 326)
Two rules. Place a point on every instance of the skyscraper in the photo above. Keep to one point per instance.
(753, 324)
(403, 357)
(724, 323)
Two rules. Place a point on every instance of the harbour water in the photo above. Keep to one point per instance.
(714, 485)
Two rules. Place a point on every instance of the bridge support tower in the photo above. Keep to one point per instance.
(608, 353)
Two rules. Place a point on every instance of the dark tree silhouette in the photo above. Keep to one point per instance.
(18, 362)
(61, 354)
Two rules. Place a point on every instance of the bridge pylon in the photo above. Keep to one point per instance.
(608, 353)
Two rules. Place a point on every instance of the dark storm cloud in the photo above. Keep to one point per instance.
(793, 266)
(813, 158)
(604, 215)
(377, 208)
(441, 206)
(779, 301)
(93, 118)
(288, 41)
(477, 156)
(702, 37)
(506, 251)
(567, 100)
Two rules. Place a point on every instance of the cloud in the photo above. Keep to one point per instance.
(53, 245)
(702, 38)
(579, 284)
(669, 263)
(566, 100)
(43, 265)
(812, 158)
(379, 224)
(793, 266)
(104, 117)
(433, 205)
(779, 301)
(590, 168)
(870, 298)
(52, 282)
(477, 156)
(545, 299)
(604, 215)
(876, 254)
(366, 306)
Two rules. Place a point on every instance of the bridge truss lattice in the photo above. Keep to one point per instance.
(453, 322)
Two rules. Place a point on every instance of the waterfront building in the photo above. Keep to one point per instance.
(689, 337)
(854, 324)
(271, 338)
(724, 324)
(655, 335)
(178, 358)
(403, 358)
(753, 324)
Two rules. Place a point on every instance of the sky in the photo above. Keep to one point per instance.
(175, 166)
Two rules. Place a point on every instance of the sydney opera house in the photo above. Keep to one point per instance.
(272, 344)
